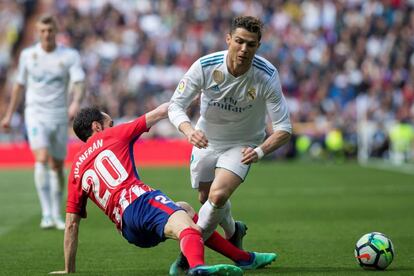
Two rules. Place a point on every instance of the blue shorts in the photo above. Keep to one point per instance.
(143, 221)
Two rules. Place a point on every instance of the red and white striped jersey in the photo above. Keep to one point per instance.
(104, 170)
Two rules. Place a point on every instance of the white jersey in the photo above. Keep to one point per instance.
(46, 76)
(232, 110)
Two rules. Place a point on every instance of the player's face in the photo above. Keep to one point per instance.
(242, 47)
(47, 35)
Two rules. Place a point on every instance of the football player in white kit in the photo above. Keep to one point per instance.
(238, 88)
(45, 72)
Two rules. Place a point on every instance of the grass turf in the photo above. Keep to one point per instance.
(310, 214)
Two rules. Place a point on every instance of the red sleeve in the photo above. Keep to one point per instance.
(77, 198)
(132, 129)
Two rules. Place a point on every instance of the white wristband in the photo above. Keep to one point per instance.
(259, 152)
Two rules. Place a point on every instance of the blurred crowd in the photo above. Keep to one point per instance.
(346, 66)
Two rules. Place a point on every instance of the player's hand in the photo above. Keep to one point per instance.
(72, 110)
(59, 272)
(249, 156)
(198, 139)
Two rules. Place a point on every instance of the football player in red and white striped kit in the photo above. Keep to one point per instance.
(104, 171)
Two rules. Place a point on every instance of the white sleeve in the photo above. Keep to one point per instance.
(277, 106)
(76, 72)
(187, 89)
(21, 77)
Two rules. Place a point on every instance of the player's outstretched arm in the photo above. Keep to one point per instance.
(16, 96)
(159, 113)
(70, 243)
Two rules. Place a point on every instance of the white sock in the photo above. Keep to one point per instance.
(42, 187)
(227, 223)
(209, 217)
(55, 193)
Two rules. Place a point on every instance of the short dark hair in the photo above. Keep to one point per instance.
(48, 19)
(82, 124)
(249, 23)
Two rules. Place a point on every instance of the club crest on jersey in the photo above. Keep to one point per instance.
(61, 65)
(218, 76)
(251, 93)
(34, 56)
(181, 86)
(216, 88)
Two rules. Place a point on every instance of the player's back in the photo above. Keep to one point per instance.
(105, 170)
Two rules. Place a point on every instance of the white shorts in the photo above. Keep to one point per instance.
(52, 136)
(205, 161)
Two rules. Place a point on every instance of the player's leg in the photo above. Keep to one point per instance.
(181, 226)
(213, 210)
(153, 217)
(244, 259)
(56, 180)
(203, 175)
(38, 140)
(202, 169)
(230, 160)
(216, 241)
(204, 189)
(57, 152)
(234, 230)
(42, 186)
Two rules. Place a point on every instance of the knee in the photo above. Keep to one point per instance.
(218, 197)
(187, 207)
(197, 228)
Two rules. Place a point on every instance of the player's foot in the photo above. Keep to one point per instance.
(179, 266)
(239, 233)
(258, 260)
(59, 223)
(217, 270)
(46, 223)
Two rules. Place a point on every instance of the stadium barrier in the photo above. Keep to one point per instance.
(147, 152)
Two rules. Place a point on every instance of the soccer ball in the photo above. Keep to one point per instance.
(374, 251)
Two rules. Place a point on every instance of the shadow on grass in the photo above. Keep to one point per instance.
(327, 271)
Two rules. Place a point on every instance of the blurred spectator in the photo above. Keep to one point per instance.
(330, 55)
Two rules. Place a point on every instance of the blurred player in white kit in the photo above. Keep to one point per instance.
(45, 72)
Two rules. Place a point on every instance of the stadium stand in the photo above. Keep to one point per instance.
(345, 65)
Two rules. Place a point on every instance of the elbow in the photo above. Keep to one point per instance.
(164, 109)
(288, 137)
(171, 109)
(284, 136)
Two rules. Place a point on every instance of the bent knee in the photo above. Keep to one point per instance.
(187, 207)
(218, 198)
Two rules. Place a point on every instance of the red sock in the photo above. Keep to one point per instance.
(191, 244)
(224, 247)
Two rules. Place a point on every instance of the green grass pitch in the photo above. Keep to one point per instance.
(310, 214)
